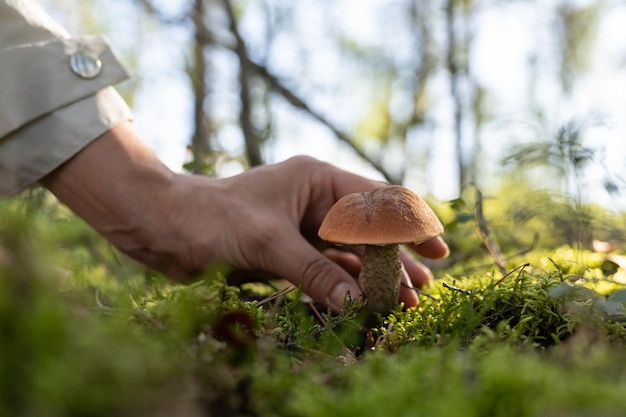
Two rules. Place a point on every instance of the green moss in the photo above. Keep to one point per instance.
(85, 332)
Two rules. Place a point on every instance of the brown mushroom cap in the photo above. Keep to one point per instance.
(383, 216)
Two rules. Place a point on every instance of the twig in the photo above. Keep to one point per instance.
(153, 10)
(205, 36)
(299, 103)
(147, 317)
(483, 232)
(511, 257)
(319, 316)
(521, 268)
(453, 288)
(348, 354)
(418, 291)
(274, 296)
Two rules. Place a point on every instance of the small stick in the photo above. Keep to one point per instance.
(453, 288)
(349, 355)
(521, 268)
(515, 255)
(274, 296)
(483, 232)
(318, 315)
(418, 291)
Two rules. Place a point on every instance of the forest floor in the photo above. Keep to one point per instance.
(86, 332)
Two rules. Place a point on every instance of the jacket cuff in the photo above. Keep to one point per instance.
(36, 79)
(36, 149)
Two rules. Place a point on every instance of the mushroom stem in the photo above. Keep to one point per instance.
(380, 277)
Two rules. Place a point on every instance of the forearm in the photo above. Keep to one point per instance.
(118, 186)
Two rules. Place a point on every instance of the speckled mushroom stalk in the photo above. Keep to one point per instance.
(380, 220)
(381, 276)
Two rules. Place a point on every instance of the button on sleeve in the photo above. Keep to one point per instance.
(39, 78)
(85, 64)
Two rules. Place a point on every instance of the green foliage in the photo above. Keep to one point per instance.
(565, 152)
(440, 382)
(61, 358)
(517, 309)
(84, 332)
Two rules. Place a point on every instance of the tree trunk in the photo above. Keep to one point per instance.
(253, 140)
(201, 139)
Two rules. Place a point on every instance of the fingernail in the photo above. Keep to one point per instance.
(341, 292)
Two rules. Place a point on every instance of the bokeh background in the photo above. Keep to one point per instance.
(436, 95)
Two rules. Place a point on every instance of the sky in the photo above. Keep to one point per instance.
(505, 37)
(508, 36)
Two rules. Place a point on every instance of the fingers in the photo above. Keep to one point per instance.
(312, 188)
(344, 182)
(327, 184)
(350, 262)
(322, 279)
(331, 275)
(435, 248)
(420, 276)
(414, 273)
(408, 296)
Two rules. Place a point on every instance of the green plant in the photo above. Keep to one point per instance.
(88, 333)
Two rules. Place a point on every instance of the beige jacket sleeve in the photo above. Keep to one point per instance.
(55, 94)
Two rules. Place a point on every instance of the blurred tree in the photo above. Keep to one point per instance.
(577, 28)
(394, 81)
(459, 14)
(251, 136)
(203, 161)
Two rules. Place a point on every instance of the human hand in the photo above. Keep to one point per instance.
(267, 218)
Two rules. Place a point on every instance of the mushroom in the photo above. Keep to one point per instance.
(381, 220)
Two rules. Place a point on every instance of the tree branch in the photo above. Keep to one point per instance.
(152, 10)
(251, 138)
(297, 102)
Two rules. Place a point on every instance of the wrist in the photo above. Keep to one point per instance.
(118, 186)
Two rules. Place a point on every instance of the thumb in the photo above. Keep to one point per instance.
(321, 278)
